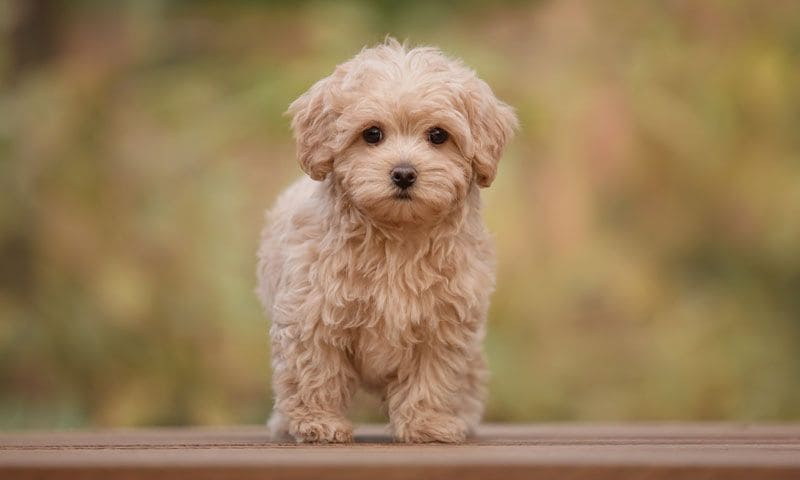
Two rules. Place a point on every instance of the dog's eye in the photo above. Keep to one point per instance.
(437, 136)
(372, 135)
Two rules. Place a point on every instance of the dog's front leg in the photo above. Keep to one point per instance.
(424, 401)
(313, 383)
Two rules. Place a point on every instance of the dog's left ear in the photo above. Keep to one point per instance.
(313, 123)
(492, 126)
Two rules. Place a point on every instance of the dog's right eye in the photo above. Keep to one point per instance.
(372, 135)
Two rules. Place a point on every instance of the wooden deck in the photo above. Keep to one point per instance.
(507, 452)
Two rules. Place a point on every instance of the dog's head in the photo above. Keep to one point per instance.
(404, 132)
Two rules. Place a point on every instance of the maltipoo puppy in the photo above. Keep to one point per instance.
(376, 269)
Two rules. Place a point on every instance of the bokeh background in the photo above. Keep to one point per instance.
(647, 217)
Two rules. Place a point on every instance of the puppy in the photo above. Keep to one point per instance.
(376, 269)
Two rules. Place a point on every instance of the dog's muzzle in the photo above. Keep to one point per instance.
(404, 175)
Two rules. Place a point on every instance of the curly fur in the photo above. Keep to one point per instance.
(368, 289)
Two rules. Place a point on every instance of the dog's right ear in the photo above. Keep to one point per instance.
(313, 125)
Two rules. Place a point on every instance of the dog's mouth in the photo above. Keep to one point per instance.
(403, 195)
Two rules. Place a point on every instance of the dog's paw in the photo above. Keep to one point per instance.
(278, 426)
(327, 430)
(432, 428)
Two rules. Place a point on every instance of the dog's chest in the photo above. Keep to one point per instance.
(395, 306)
(391, 308)
(381, 302)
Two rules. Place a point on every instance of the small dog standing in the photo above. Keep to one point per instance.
(377, 270)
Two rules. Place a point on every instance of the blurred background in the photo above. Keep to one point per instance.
(647, 217)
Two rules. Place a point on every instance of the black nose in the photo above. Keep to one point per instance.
(404, 175)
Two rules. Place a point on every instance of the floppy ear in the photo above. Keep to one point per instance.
(492, 125)
(313, 120)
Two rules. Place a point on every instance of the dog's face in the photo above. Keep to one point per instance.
(404, 134)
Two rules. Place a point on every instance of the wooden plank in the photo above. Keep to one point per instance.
(575, 451)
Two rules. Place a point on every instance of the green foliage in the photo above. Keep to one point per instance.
(647, 217)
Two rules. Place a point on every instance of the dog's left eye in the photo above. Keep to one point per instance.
(437, 136)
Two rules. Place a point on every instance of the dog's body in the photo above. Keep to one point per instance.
(379, 272)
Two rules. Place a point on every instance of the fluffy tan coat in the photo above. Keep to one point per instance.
(368, 287)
